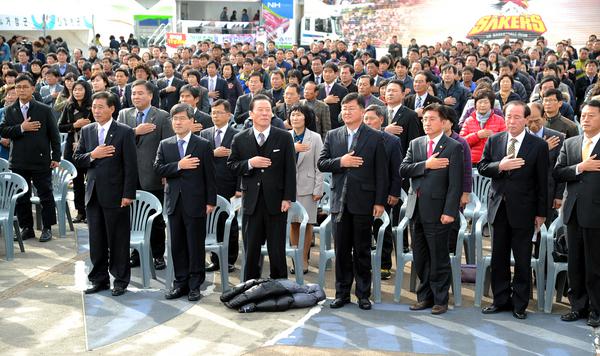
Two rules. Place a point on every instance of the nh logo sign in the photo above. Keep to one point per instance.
(274, 5)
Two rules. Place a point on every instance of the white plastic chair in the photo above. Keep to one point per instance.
(376, 256)
(211, 243)
(144, 209)
(12, 187)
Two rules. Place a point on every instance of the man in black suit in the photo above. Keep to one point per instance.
(578, 166)
(355, 155)
(186, 161)
(590, 77)
(191, 95)
(434, 164)
(374, 117)
(403, 121)
(332, 93)
(35, 141)
(62, 66)
(517, 162)
(216, 86)
(316, 66)
(420, 99)
(242, 105)
(220, 137)
(107, 150)
(169, 86)
(264, 156)
(23, 65)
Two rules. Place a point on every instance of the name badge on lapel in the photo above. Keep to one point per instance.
(276, 150)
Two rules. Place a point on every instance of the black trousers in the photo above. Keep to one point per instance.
(259, 228)
(42, 181)
(505, 239)
(431, 257)
(352, 238)
(233, 240)
(389, 240)
(79, 190)
(188, 235)
(157, 235)
(109, 232)
(584, 266)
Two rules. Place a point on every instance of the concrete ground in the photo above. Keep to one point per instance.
(41, 312)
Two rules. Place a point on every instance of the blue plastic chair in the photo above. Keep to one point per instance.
(471, 213)
(402, 258)
(376, 256)
(144, 209)
(324, 204)
(4, 165)
(554, 268)
(327, 176)
(220, 248)
(12, 187)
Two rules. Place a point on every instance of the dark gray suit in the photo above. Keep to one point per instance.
(433, 193)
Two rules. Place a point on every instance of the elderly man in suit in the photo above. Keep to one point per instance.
(420, 99)
(355, 155)
(264, 158)
(151, 125)
(319, 107)
(332, 93)
(107, 149)
(186, 161)
(35, 150)
(291, 96)
(169, 87)
(365, 85)
(220, 137)
(517, 163)
(434, 164)
(578, 166)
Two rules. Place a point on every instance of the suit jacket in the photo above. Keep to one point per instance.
(410, 100)
(227, 181)
(411, 125)
(322, 115)
(168, 100)
(204, 119)
(309, 180)
(148, 144)
(195, 187)
(220, 86)
(204, 103)
(372, 100)
(437, 191)
(282, 111)
(127, 103)
(242, 106)
(523, 190)
(334, 109)
(32, 150)
(555, 189)
(19, 68)
(115, 177)
(278, 182)
(70, 68)
(366, 185)
(395, 155)
(583, 190)
(311, 78)
(47, 98)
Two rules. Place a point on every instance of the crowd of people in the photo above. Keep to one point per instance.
(265, 124)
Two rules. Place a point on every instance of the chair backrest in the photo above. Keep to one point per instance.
(402, 226)
(325, 202)
(62, 175)
(385, 222)
(556, 229)
(12, 186)
(223, 207)
(327, 177)
(481, 188)
(143, 210)
(481, 222)
(4, 165)
(296, 213)
(462, 231)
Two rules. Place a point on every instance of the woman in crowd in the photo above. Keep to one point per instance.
(304, 66)
(76, 114)
(506, 93)
(309, 180)
(482, 124)
(63, 98)
(233, 90)
(100, 83)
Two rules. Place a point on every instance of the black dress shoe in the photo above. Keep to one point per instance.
(159, 263)
(212, 267)
(80, 218)
(573, 316)
(175, 293)
(594, 319)
(520, 315)
(494, 309)
(96, 288)
(194, 295)
(439, 309)
(117, 291)
(27, 233)
(364, 304)
(46, 235)
(339, 302)
(421, 305)
(134, 260)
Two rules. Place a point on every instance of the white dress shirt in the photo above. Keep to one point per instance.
(106, 126)
(394, 111)
(594, 142)
(435, 142)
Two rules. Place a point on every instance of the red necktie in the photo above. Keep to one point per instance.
(430, 148)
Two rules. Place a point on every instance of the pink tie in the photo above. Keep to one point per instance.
(430, 149)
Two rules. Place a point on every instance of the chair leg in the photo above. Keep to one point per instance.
(487, 285)
(224, 269)
(479, 279)
(8, 241)
(322, 264)
(456, 284)
(60, 209)
(550, 284)
(145, 261)
(18, 235)
(376, 268)
(540, 287)
(399, 280)
(299, 264)
(69, 218)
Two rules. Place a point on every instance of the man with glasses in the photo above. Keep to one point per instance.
(552, 101)
(32, 129)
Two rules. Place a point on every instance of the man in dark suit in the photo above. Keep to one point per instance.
(578, 166)
(107, 150)
(35, 150)
(216, 86)
(220, 137)
(264, 156)
(316, 66)
(62, 66)
(169, 87)
(355, 155)
(191, 95)
(420, 98)
(186, 161)
(142, 72)
(332, 93)
(590, 77)
(403, 121)
(517, 162)
(434, 164)
(151, 125)
(374, 117)
(23, 65)
(364, 88)
(290, 98)
(242, 106)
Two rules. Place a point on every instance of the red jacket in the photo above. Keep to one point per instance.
(471, 127)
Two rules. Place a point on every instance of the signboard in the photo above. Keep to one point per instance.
(278, 22)
(176, 40)
(36, 22)
(512, 18)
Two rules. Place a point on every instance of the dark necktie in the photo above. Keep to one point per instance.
(180, 147)
(261, 139)
(511, 148)
(352, 140)
(140, 117)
